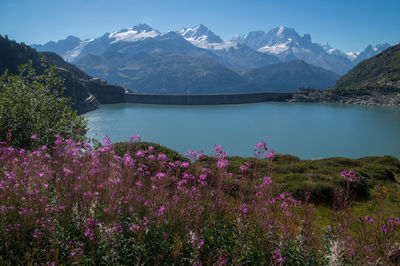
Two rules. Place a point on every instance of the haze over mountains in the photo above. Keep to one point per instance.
(196, 60)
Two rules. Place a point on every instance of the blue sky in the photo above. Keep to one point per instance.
(347, 25)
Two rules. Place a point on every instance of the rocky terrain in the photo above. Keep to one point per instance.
(330, 96)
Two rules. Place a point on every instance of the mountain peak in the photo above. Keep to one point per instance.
(371, 51)
(307, 37)
(136, 33)
(283, 32)
(281, 29)
(201, 27)
(72, 38)
(333, 51)
(200, 33)
(142, 28)
(382, 46)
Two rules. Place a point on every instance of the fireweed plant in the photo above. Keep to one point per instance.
(75, 204)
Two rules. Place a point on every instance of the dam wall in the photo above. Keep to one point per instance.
(206, 99)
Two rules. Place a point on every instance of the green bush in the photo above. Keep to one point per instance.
(121, 148)
(377, 172)
(30, 104)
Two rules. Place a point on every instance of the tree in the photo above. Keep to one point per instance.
(32, 105)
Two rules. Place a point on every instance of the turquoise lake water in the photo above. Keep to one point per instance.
(309, 131)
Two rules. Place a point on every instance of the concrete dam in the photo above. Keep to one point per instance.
(207, 99)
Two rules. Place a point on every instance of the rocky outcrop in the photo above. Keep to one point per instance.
(329, 96)
(105, 93)
(89, 104)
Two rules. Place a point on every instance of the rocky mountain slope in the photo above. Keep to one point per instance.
(181, 74)
(289, 75)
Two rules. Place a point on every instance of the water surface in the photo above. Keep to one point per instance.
(308, 131)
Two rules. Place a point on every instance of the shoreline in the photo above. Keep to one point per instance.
(305, 96)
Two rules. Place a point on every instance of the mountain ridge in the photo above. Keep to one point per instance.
(183, 74)
(256, 49)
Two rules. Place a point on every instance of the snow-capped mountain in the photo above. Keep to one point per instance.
(140, 38)
(231, 53)
(332, 51)
(275, 41)
(61, 47)
(73, 53)
(256, 49)
(202, 37)
(134, 34)
(370, 51)
(200, 33)
(352, 55)
(288, 45)
(191, 60)
(73, 48)
(356, 56)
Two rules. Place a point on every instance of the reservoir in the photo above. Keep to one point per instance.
(306, 130)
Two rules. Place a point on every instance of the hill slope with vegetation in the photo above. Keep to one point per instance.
(379, 73)
(86, 93)
(374, 81)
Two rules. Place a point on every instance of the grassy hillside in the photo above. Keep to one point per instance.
(375, 81)
(380, 73)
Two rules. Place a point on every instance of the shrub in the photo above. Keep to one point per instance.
(378, 172)
(121, 148)
(30, 105)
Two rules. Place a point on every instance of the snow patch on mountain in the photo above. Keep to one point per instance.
(274, 49)
(202, 37)
(75, 52)
(332, 51)
(132, 35)
(352, 55)
(226, 45)
(200, 33)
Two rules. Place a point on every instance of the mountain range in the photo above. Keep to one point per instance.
(195, 60)
(164, 73)
(256, 49)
